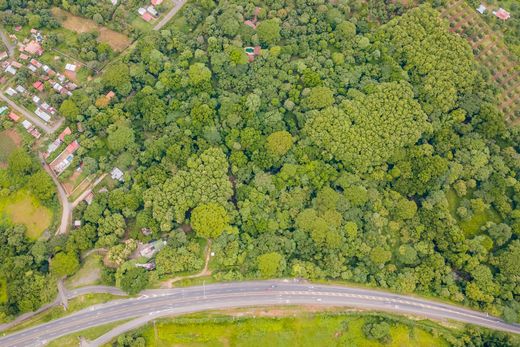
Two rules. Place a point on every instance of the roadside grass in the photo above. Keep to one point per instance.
(56, 312)
(304, 329)
(117, 41)
(9, 141)
(22, 207)
(88, 274)
(89, 334)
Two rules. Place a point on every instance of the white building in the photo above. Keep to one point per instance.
(42, 115)
(117, 174)
(481, 9)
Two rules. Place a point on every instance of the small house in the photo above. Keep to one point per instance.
(24, 56)
(152, 11)
(11, 92)
(146, 231)
(20, 89)
(147, 17)
(89, 198)
(70, 67)
(26, 124)
(14, 117)
(34, 48)
(36, 63)
(64, 133)
(3, 55)
(38, 85)
(77, 223)
(36, 99)
(481, 9)
(11, 70)
(3, 109)
(44, 116)
(32, 68)
(156, 2)
(16, 64)
(110, 95)
(141, 11)
(72, 147)
(502, 14)
(117, 174)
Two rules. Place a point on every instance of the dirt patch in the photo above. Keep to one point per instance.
(116, 40)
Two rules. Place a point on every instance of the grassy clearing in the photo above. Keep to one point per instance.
(88, 274)
(23, 208)
(302, 330)
(9, 141)
(471, 227)
(75, 304)
(116, 40)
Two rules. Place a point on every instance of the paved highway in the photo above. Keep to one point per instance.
(163, 302)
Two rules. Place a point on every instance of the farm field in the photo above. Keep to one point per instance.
(302, 330)
(9, 140)
(116, 40)
(23, 208)
(490, 49)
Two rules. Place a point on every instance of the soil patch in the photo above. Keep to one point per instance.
(116, 40)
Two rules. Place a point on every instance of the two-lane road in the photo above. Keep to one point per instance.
(157, 303)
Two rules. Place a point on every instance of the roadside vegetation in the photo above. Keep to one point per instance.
(302, 329)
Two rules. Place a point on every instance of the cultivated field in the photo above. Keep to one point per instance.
(116, 40)
(23, 208)
(490, 49)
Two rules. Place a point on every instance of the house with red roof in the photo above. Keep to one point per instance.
(64, 133)
(38, 85)
(14, 117)
(502, 14)
(156, 2)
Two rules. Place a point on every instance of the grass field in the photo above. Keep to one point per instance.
(23, 208)
(3, 290)
(9, 140)
(116, 40)
(303, 330)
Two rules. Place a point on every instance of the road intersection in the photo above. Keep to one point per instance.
(157, 303)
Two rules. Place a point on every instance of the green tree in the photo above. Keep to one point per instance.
(210, 220)
(64, 264)
(279, 143)
(271, 264)
(131, 279)
(269, 31)
(70, 110)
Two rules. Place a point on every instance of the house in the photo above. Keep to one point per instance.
(141, 11)
(38, 85)
(17, 28)
(27, 125)
(117, 174)
(36, 99)
(16, 64)
(35, 133)
(32, 68)
(250, 23)
(20, 89)
(147, 17)
(152, 11)
(146, 231)
(71, 86)
(11, 92)
(481, 9)
(10, 69)
(110, 95)
(252, 52)
(147, 266)
(156, 2)
(3, 109)
(36, 63)
(57, 87)
(3, 55)
(40, 113)
(70, 67)
(151, 248)
(502, 14)
(14, 117)
(34, 31)
(64, 133)
(77, 223)
(34, 48)
(72, 147)
(24, 56)
(52, 147)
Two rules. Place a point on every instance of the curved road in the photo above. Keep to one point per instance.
(156, 303)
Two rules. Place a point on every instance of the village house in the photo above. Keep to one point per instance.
(3, 55)
(150, 249)
(38, 85)
(117, 174)
(44, 116)
(14, 117)
(502, 14)
(33, 48)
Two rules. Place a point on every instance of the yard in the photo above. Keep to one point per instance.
(88, 274)
(9, 140)
(23, 208)
(116, 40)
(302, 330)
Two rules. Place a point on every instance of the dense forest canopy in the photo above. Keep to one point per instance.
(345, 150)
